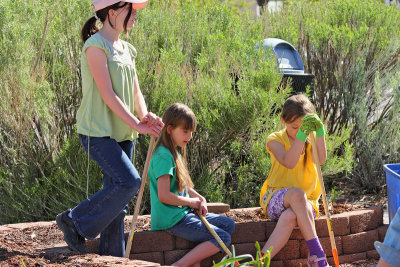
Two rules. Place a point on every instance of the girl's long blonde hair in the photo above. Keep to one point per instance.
(178, 115)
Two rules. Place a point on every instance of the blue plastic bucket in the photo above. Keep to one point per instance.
(393, 188)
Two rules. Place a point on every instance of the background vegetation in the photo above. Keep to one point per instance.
(192, 52)
(353, 49)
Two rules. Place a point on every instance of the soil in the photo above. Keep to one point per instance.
(44, 246)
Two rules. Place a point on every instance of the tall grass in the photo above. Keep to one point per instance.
(40, 93)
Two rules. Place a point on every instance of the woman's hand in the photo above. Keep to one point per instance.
(143, 128)
(153, 121)
(150, 124)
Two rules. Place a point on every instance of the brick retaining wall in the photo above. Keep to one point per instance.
(355, 233)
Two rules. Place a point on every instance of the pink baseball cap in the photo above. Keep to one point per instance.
(136, 4)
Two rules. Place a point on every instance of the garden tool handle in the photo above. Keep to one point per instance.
(139, 197)
(214, 234)
(324, 199)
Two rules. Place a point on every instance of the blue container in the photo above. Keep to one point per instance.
(393, 188)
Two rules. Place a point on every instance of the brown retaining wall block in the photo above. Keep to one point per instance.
(290, 251)
(149, 241)
(360, 242)
(249, 232)
(362, 221)
(181, 243)
(340, 225)
(214, 207)
(382, 231)
(173, 255)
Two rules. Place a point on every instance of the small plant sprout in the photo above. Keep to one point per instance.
(259, 261)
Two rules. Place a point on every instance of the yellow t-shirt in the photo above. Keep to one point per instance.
(303, 176)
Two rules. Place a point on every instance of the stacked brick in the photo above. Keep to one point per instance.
(355, 233)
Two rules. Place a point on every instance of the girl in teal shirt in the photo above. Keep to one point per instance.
(173, 198)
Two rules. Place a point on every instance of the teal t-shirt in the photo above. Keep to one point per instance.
(94, 117)
(163, 216)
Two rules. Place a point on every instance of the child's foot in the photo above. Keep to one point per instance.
(314, 261)
(74, 240)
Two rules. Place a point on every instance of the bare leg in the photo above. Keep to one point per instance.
(296, 199)
(283, 229)
(196, 255)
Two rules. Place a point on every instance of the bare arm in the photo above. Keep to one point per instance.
(149, 118)
(167, 197)
(98, 66)
(288, 158)
(321, 149)
(194, 193)
(140, 104)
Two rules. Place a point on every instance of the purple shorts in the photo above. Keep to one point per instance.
(275, 205)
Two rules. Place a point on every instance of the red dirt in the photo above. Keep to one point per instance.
(44, 246)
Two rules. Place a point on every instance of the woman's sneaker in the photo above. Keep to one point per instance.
(314, 261)
(74, 240)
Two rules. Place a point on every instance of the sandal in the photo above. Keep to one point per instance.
(313, 261)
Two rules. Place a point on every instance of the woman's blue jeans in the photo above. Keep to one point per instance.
(104, 212)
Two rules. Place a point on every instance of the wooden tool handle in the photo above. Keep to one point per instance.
(214, 234)
(139, 197)
(324, 199)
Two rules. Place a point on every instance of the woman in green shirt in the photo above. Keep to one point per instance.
(107, 127)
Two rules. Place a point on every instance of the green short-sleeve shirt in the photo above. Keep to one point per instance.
(163, 216)
(94, 117)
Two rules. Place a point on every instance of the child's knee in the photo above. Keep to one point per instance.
(297, 195)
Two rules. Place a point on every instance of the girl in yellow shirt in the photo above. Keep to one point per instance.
(291, 192)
